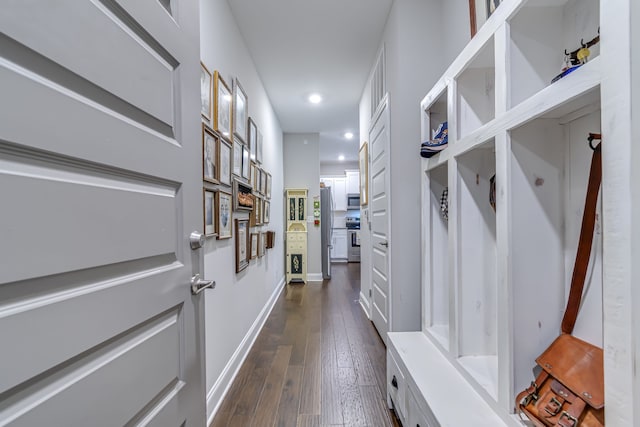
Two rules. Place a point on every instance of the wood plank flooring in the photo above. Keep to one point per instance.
(317, 362)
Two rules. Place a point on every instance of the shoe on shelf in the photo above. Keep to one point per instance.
(438, 143)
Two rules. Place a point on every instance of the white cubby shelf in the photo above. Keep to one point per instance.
(495, 282)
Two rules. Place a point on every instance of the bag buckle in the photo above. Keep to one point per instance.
(553, 406)
(532, 396)
(571, 419)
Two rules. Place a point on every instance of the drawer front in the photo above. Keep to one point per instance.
(396, 386)
(416, 415)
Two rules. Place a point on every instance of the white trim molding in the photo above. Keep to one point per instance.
(221, 387)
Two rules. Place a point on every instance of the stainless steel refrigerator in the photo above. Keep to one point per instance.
(326, 230)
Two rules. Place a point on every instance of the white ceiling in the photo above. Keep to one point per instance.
(305, 46)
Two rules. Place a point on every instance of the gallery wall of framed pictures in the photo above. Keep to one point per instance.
(235, 181)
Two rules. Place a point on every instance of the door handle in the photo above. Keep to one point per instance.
(385, 244)
(198, 285)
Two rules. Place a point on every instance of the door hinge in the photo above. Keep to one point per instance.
(369, 293)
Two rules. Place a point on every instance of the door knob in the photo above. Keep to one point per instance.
(198, 285)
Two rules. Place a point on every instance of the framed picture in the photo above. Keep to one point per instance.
(242, 244)
(224, 156)
(268, 187)
(262, 244)
(222, 107)
(209, 212)
(246, 163)
(237, 158)
(265, 212)
(254, 176)
(223, 210)
(242, 196)
(240, 112)
(258, 177)
(259, 148)
(205, 92)
(209, 155)
(263, 182)
(258, 210)
(364, 174)
(253, 139)
(254, 246)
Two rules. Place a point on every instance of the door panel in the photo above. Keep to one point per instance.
(379, 137)
(93, 56)
(99, 138)
(92, 384)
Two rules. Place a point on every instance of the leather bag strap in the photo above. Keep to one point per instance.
(585, 243)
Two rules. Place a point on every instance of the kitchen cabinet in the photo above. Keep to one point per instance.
(339, 243)
(353, 182)
(340, 193)
(338, 186)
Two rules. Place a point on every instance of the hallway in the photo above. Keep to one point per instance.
(318, 361)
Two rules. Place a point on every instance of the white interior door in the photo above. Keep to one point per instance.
(99, 179)
(379, 208)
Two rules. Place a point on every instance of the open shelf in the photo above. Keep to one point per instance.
(477, 264)
(476, 95)
(437, 276)
(540, 33)
(550, 161)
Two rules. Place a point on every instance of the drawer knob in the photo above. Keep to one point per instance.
(394, 382)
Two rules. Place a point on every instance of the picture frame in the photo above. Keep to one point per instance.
(254, 176)
(254, 246)
(242, 196)
(210, 150)
(253, 139)
(240, 113)
(205, 92)
(246, 163)
(242, 244)
(258, 179)
(224, 215)
(268, 187)
(262, 244)
(259, 148)
(209, 214)
(222, 107)
(224, 157)
(266, 212)
(256, 213)
(263, 182)
(237, 159)
(363, 163)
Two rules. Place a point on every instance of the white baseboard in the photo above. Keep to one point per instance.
(364, 303)
(224, 381)
(314, 277)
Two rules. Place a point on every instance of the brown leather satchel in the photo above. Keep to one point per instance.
(569, 391)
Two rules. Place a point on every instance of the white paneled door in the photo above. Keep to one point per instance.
(379, 206)
(100, 190)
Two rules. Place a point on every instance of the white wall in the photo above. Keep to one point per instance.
(240, 302)
(302, 170)
(337, 168)
(421, 39)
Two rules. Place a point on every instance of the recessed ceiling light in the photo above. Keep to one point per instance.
(348, 135)
(341, 157)
(315, 98)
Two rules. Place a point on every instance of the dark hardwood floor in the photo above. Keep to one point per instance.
(317, 362)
